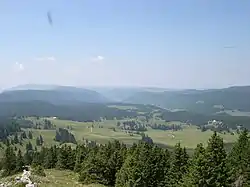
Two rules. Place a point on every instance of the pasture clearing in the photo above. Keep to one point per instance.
(54, 178)
(103, 132)
(123, 107)
(237, 113)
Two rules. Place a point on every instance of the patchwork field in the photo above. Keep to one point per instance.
(102, 132)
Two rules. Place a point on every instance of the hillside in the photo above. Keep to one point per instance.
(77, 112)
(200, 101)
(58, 95)
(54, 178)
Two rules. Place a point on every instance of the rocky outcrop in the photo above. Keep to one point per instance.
(24, 178)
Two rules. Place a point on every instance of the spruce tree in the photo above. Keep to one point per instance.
(38, 142)
(81, 153)
(30, 135)
(41, 139)
(19, 161)
(239, 160)
(16, 141)
(48, 160)
(9, 161)
(142, 167)
(29, 147)
(24, 136)
(216, 168)
(197, 172)
(179, 165)
(62, 158)
(94, 167)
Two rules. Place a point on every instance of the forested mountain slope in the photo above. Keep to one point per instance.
(201, 101)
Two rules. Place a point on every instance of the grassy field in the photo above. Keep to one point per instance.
(54, 178)
(237, 113)
(189, 137)
(123, 107)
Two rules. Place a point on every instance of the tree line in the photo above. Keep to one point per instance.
(74, 111)
(201, 119)
(142, 164)
(8, 127)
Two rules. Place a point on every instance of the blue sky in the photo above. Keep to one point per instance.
(174, 44)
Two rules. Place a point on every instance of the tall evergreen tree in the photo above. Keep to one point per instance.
(24, 136)
(239, 160)
(29, 147)
(38, 143)
(30, 135)
(9, 161)
(63, 161)
(197, 173)
(19, 161)
(218, 173)
(81, 153)
(41, 139)
(16, 140)
(179, 165)
(141, 168)
(48, 160)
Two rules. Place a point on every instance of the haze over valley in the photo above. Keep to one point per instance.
(118, 93)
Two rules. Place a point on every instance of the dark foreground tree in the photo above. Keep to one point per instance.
(9, 161)
(239, 160)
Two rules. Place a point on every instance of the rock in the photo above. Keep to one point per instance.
(31, 185)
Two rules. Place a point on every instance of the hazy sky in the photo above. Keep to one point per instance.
(165, 43)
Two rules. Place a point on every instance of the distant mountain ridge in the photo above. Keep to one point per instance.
(197, 101)
(52, 94)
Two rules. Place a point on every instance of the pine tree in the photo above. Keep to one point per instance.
(239, 160)
(116, 154)
(62, 157)
(19, 161)
(142, 167)
(28, 157)
(41, 139)
(12, 141)
(16, 141)
(197, 172)
(9, 161)
(29, 147)
(21, 138)
(24, 136)
(36, 159)
(179, 165)
(218, 173)
(94, 167)
(38, 142)
(70, 164)
(30, 135)
(48, 160)
(81, 153)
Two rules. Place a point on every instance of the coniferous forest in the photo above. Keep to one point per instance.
(142, 164)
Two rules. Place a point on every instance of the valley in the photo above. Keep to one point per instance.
(63, 120)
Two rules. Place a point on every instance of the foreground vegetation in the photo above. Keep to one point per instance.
(143, 164)
(54, 178)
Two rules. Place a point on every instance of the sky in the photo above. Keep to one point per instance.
(160, 43)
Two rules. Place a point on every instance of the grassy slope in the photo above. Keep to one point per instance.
(189, 137)
(54, 178)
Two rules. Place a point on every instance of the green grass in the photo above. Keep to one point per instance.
(54, 178)
(83, 130)
(237, 113)
(189, 137)
(123, 107)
